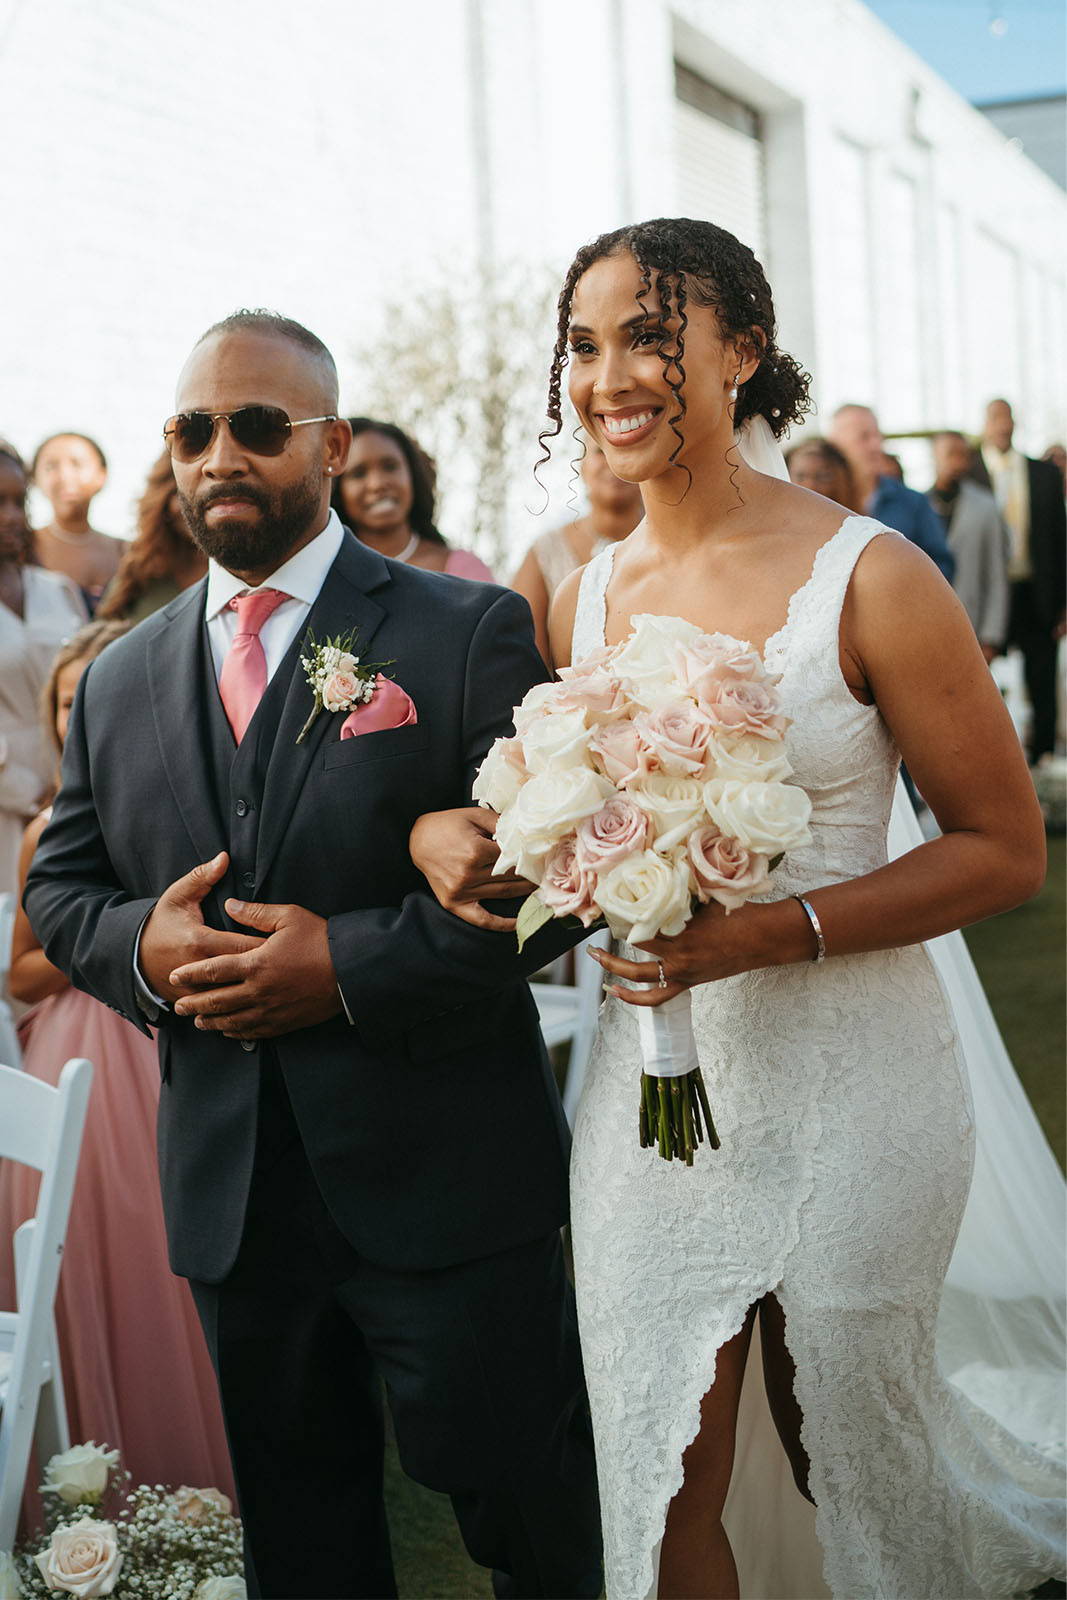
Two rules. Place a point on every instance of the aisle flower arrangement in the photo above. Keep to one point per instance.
(646, 782)
(105, 1536)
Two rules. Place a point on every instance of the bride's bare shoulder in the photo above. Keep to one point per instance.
(561, 615)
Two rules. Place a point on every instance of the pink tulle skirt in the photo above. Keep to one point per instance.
(136, 1371)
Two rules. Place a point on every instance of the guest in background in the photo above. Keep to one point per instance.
(38, 610)
(136, 1371)
(820, 466)
(1030, 497)
(977, 538)
(855, 432)
(615, 509)
(386, 495)
(161, 560)
(1058, 456)
(892, 467)
(70, 470)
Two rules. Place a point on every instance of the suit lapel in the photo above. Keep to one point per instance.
(343, 605)
(176, 665)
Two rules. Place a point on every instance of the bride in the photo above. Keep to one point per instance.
(827, 1219)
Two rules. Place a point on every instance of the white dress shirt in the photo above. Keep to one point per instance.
(301, 577)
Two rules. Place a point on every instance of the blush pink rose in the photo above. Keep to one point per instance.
(676, 736)
(618, 751)
(737, 706)
(196, 1505)
(614, 832)
(341, 691)
(82, 1558)
(723, 870)
(717, 655)
(565, 887)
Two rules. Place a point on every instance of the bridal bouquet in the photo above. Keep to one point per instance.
(105, 1537)
(647, 781)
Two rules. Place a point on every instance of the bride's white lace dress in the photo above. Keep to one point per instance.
(847, 1144)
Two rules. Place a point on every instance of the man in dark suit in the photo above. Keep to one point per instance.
(1029, 495)
(362, 1152)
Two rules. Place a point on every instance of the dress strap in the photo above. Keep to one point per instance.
(590, 617)
(809, 639)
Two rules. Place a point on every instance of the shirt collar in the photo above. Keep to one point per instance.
(302, 576)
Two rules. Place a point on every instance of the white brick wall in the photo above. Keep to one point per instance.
(167, 160)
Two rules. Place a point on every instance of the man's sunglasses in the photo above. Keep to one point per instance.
(264, 430)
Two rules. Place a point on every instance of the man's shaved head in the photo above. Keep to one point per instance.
(275, 326)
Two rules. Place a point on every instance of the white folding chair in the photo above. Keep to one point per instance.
(569, 1011)
(9, 1039)
(40, 1127)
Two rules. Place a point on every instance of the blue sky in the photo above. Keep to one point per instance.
(987, 49)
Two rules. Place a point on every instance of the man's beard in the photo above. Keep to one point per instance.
(286, 517)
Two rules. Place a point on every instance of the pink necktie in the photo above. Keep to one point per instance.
(244, 671)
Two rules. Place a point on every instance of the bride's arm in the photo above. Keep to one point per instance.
(455, 850)
(907, 638)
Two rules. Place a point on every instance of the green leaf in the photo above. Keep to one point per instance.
(533, 914)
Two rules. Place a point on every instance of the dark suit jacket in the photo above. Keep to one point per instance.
(1048, 534)
(433, 1124)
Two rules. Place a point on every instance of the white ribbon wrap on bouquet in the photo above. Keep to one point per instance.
(667, 1041)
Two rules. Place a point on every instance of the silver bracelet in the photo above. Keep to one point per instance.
(816, 926)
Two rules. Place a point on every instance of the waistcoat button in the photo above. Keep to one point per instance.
(248, 1044)
(241, 808)
(248, 879)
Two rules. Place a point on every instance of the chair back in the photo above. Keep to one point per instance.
(41, 1127)
(9, 1039)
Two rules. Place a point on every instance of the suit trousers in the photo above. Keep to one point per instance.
(1030, 632)
(481, 1371)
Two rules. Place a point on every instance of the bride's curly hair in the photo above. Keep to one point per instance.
(686, 261)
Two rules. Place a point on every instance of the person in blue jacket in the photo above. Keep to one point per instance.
(855, 432)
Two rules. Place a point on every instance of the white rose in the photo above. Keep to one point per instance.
(675, 805)
(557, 741)
(647, 659)
(10, 1587)
(749, 759)
(765, 817)
(547, 807)
(79, 1476)
(537, 702)
(645, 895)
(220, 1589)
(500, 776)
(82, 1559)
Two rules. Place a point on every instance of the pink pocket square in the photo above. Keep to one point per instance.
(390, 707)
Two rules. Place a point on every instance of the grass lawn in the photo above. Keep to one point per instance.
(1020, 957)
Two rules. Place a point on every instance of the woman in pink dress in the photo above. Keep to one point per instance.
(136, 1371)
(386, 496)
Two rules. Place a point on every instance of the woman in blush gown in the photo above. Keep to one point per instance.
(136, 1372)
(827, 1220)
(386, 495)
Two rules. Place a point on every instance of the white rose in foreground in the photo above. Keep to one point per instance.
(82, 1559)
(537, 702)
(220, 1589)
(749, 759)
(647, 659)
(675, 805)
(766, 817)
(10, 1587)
(79, 1475)
(549, 806)
(552, 743)
(645, 895)
(500, 776)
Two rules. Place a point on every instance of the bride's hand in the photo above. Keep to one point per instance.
(455, 851)
(711, 946)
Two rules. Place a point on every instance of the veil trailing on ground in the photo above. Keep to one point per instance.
(1001, 1334)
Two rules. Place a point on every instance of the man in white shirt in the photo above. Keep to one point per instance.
(1029, 495)
(362, 1152)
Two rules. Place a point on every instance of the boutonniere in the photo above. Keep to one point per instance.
(337, 677)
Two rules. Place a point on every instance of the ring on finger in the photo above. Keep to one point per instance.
(662, 973)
